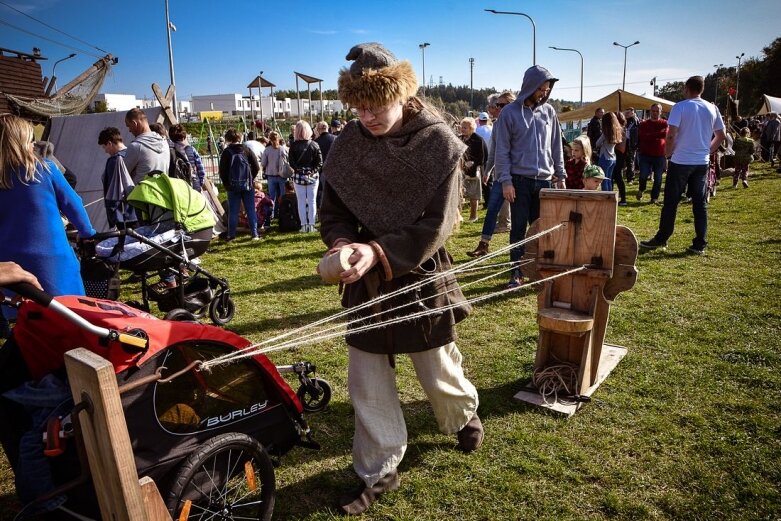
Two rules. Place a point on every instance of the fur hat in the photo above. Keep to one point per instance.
(376, 77)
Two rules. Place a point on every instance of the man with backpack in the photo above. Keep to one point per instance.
(238, 168)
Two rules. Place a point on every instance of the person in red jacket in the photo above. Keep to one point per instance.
(652, 135)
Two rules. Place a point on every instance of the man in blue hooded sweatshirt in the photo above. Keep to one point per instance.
(529, 155)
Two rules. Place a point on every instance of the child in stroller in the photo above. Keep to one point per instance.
(178, 230)
(204, 437)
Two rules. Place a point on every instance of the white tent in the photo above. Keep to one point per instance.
(770, 104)
(618, 100)
(75, 140)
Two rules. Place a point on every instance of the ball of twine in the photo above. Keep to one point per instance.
(333, 264)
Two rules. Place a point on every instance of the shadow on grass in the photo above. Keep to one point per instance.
(9, 506)
(291, 284)
(287, 322)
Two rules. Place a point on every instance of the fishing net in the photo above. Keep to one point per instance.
(71, 99)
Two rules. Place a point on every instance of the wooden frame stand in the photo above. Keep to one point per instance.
(121, 495)
(573, 309)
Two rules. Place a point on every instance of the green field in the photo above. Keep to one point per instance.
(686, 427)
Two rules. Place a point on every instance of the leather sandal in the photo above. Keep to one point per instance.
(471, 436)
(359, 500)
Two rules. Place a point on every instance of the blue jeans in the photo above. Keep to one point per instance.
(648, 165)
(524, 210)
(494, 205)
(276, 189)
(234, 203)
(682, 179)
(607, 166)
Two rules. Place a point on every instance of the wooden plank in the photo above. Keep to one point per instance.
(153, 503)
(612, 355)
(624, 271)
(106, 439)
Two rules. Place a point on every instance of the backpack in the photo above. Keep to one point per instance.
(288, 214)
(180, 167)
(240, 173)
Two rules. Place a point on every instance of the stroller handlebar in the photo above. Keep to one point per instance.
(44, 299)
(31, 292)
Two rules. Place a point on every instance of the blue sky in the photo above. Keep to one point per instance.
(220, 49)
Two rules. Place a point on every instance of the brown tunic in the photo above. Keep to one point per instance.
(401, 191)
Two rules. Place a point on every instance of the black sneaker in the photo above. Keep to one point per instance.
(652, 244)
(695, 251)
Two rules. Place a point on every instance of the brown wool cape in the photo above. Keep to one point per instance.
(401, 191)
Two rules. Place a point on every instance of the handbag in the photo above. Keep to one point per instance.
(284, 170)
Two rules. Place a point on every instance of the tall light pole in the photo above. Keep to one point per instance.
(54, 67)
(423, 54)
(623, 83)
(737, 79)
(581, 68)
(471, 83)
(168, 27)
(534, 30)
(716, 88)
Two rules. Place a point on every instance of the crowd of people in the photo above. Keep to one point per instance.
(356, 180)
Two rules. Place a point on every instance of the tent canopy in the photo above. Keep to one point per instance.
(618, 100)
(770, 104)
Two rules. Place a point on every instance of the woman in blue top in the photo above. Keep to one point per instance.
(32, 195)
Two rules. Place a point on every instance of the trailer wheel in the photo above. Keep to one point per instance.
(228, 477)
(315, 396)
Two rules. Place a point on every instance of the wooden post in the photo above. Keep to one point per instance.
(120, 495)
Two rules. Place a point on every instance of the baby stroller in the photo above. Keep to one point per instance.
(179, 230)
(205, 437)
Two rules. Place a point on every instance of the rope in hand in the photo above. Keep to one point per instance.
(318, 334)
(256, 349)
(381, 298)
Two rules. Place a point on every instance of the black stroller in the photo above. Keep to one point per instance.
(179, 231)
(205, 437)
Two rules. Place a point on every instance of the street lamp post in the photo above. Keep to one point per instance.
(54, 68)
(716, 87)
(168, 27)
(423, 54)
(623, 83)
(581, 68)
(737, 79)
(534, 30)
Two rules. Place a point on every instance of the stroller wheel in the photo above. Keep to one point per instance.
(315, 395)
(221, 309)
(181, 315)
(228, 477)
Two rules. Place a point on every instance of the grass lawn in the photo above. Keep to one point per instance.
(686, 427)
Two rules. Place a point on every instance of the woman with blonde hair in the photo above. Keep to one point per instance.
(274, 153)
(306, 160)
(33, 192)
(581, 158)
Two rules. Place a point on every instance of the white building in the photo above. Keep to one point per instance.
(117, 102)
(239, 105)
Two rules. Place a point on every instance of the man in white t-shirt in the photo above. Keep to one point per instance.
(255, 146)
(695, 132)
